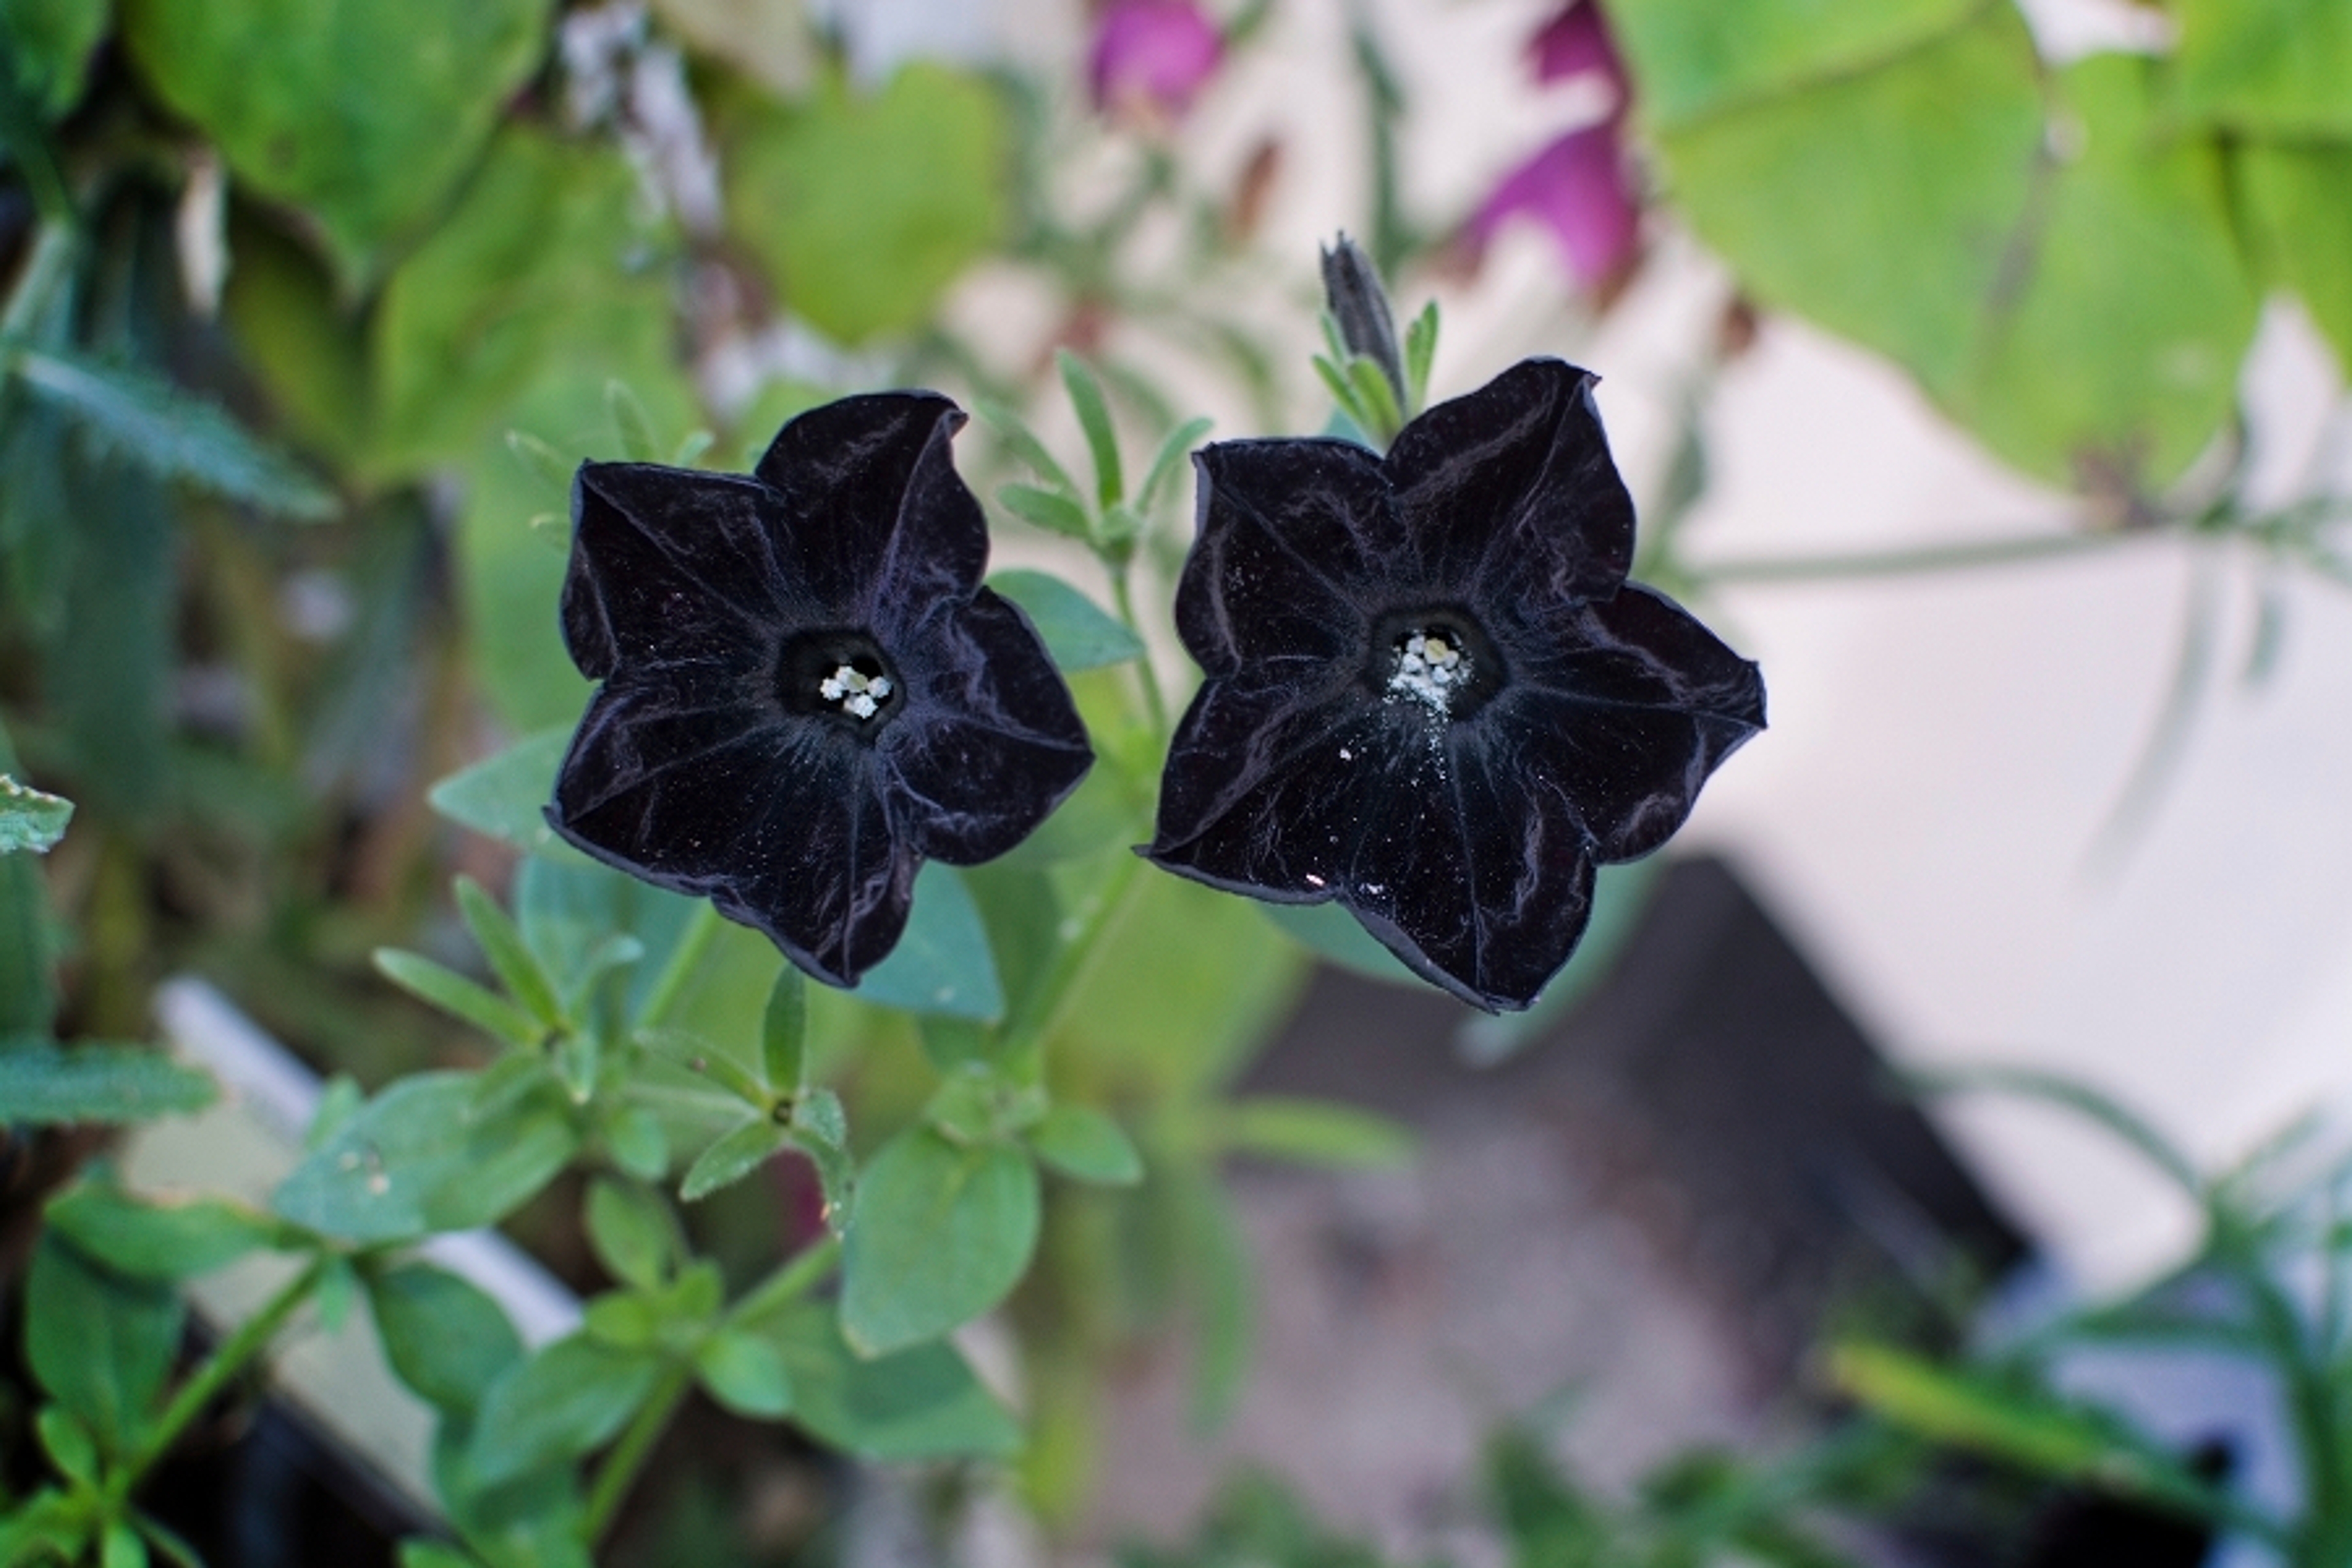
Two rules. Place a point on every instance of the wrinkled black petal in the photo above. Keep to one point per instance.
(1630, 708)
(874, 498)
(1292, 536)
(667, 565)
(1262, 787)
(712, 608)
(1461, 827)
(1511, 490)
(992, 742)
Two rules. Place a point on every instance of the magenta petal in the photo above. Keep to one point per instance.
(1577, 43)
(1152, 55)
(1576, 187)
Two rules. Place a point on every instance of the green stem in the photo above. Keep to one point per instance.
(700, 926)
(618, 1474)
(225, 1365)
(795, 1279)
(619, 1471)
(1155, 705)
(54, 251)
(1969, 555)
(1024, 1033)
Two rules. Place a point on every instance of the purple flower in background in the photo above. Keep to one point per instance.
(806, 691)
(1577, 43)
(1152, 57)
(1576, 185)
(1431, 696)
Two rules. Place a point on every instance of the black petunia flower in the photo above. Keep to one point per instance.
(807, 691)
(1432, 694)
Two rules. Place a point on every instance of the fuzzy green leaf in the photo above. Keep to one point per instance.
(30, 820)
(49, 1085)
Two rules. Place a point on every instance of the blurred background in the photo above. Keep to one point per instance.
(1978, 369)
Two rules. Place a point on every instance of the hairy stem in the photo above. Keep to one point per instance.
(224, 1366)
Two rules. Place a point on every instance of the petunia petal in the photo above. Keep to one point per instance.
(1530, 869)
(989, 742)
(1293, 537)
(1630, 712)
(832, 882)
(1480, 885)
(667, 565)
(780, 824)
(1260, 792)
(872, 496)
(1508, 493)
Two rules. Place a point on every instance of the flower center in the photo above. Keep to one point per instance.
(1431, 667)
(840, 675)
(1436, 660)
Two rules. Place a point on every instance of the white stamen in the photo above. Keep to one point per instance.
(859, 694)
(1313, 880)
(1429, 670)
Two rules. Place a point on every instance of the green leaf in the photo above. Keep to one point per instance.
(2067, 288)
(445, 1337)
(943, 963)
(1078, 633)
(2025, 1427)
(822, 1133)
(28, 1001)
(121, 1547)
(107, 672)
(166, 431)
(1049, 510)
(421, 1553)
(1015, 433)
(30, 820)
(918, 1403)
(2119, 355)
(46, 1085)
(411, 90)
(1086, 1145)
(635, 1137)
(706, 1060)
(572, 912)
(2301, 227)
(1420, 353)
(510, 958)
(68, 1444)
(941, 1234)
(1689, 58)
(2267, 67)
(632, 1232)
(505, 796)
(563, 1402)
(1094, 417)
(746, 1372)
(1376, 397)
(49, 44)
(459, 998)
(424, 1156)
(862, 208)
(734, 1156)
(529, 274)
(783, 1033)
(1315, 1132)
(100, 1344)
(1170, 459)
(1927, 166)
(176, 1240)
(633, 429)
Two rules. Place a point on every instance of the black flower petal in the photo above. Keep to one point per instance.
(807, 691)
(1431, 696)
